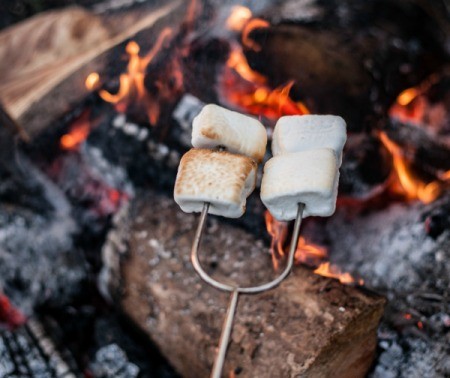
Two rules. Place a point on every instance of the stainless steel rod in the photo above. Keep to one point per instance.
(225, 336)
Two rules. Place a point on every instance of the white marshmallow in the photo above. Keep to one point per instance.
(215, 126)
(309, 132)
(309, 177)
(223, 179)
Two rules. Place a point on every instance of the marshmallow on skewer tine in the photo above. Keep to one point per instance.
(309, 177)
(223, 179)
(309, 132)
(216, 127)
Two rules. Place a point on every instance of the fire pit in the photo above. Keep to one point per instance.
(95, 277)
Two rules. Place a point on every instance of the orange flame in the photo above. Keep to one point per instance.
(332, 271)
(409, 185)
(92, 81)
(238, 17)
(247, 89)
(306, 253)
(78, 133)
(131, 83)
(256, 23)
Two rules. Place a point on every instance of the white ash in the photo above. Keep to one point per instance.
(113, 175)
(38, 261)
(394, 253)
(185, 112)
(112, 362)
(158, 151)
(113, 250)
(119, 121)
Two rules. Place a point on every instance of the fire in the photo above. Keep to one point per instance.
(328, 270)
(306, 252)
(253, 24)
(92, 81)
(407, 183)
(78, 133)
(239, 16)
(243, 87)
(407, 96)
(131, 84)
(410, 105)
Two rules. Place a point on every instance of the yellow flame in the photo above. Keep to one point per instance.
(407, 96)
(92, 80)
(413, 187)
(238, 18)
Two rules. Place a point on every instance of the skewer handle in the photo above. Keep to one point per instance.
(225, 336)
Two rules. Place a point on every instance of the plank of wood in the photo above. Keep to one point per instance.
(39, 54)
(309, 326)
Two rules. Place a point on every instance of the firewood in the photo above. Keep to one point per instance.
(45, 60)
(309, 326)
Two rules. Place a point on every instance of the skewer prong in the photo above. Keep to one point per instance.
(236, 290)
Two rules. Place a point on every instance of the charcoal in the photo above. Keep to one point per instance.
(29, 352)
(38, 262)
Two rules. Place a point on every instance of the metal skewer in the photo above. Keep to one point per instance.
(236, 290)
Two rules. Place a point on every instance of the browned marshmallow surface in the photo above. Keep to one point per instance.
(223, 179)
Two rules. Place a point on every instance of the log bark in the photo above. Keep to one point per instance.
(309, 326)
(45, 60)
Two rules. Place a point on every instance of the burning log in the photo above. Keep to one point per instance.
(348, 59)
(310, 325)
(70, 43)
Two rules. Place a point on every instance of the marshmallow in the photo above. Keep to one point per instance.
(309, 177)
(223, 179)
(309, 132)
(215, 126)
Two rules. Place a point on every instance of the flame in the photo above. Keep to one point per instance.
(407, 96)
(256, 23)
(131, 84)
(247, 89)
(410, 185)
(306, 252)
(238, 17)
(327, 270)
(92, 81)
(243, 87)
(411, 104)
(77, 134)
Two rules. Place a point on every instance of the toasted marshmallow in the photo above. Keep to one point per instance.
(215, 126)
(223, 179)
(309, 132)
(309, 177)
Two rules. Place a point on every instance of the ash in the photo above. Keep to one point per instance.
(403, 252)
(38, 262)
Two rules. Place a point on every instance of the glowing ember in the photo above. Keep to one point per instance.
(9, 315)
(238, 18)
(408, 184)
(78, 133)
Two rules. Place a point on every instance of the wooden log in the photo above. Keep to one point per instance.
(309, 326)
(350, 58)
(45, 60)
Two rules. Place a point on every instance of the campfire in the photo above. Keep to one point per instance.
(95, 276)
